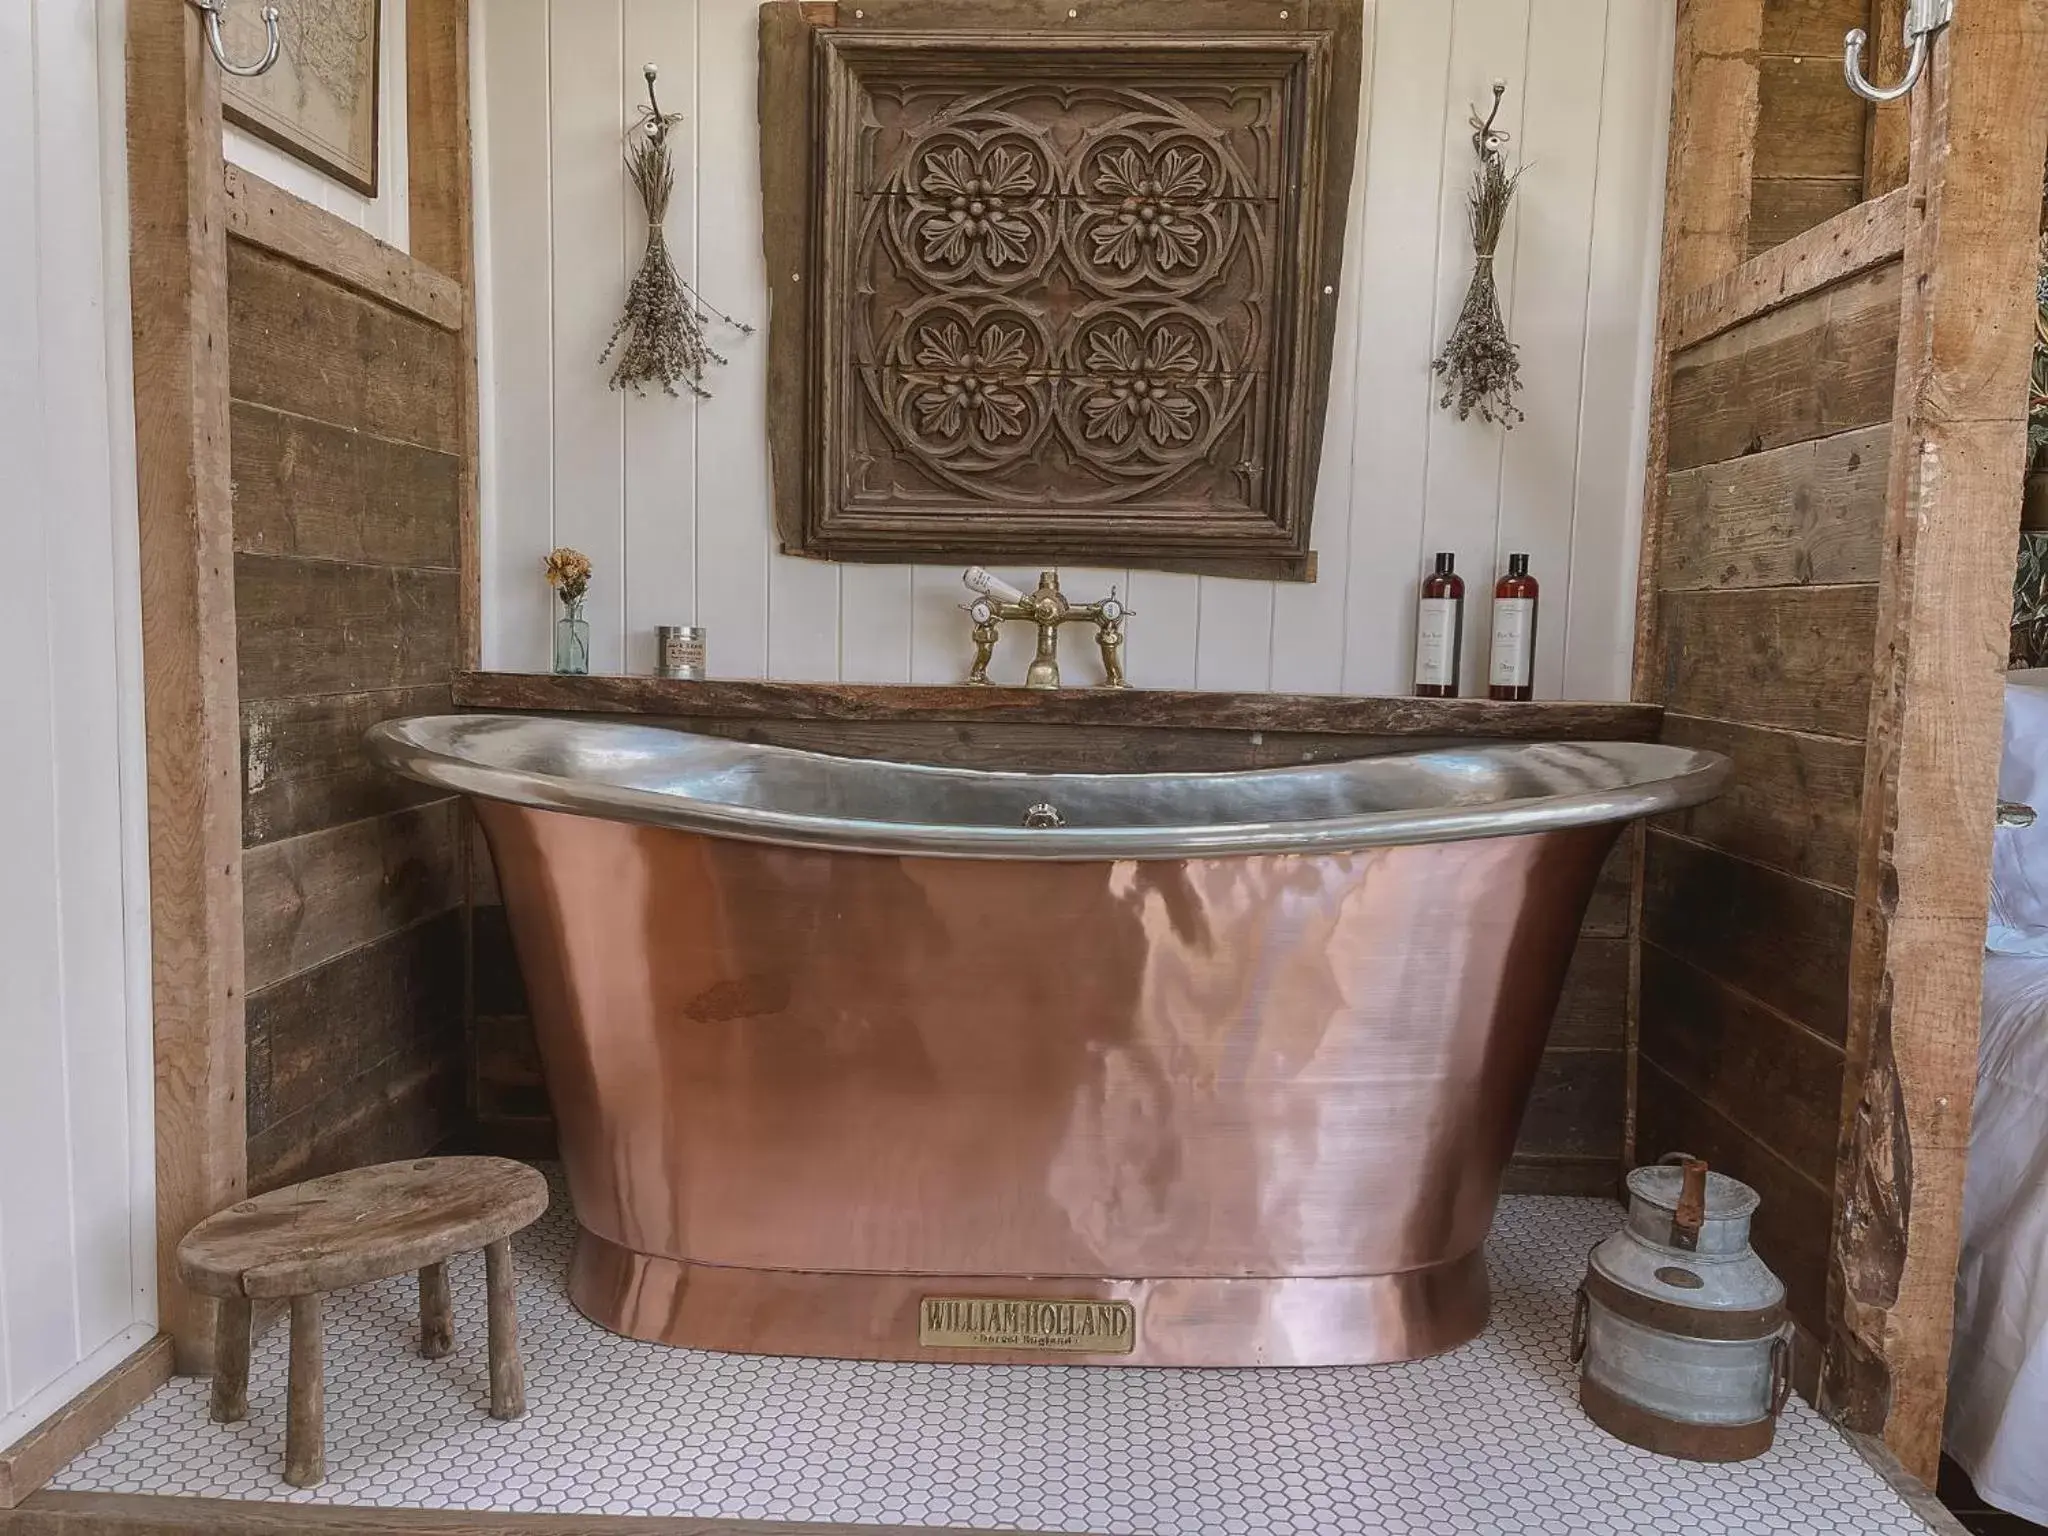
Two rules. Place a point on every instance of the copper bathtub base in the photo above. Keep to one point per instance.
(1183, 1321)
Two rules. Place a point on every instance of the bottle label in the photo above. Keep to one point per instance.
(1514, 642)
(1436, 642)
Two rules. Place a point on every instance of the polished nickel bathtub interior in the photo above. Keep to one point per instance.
(667, 777)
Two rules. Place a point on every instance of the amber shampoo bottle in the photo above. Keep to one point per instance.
(1511, 673)
(1439, 631)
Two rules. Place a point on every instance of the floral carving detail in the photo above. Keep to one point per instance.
(976, 196)
(974, 388)
(1158, 197)
(1144, 385)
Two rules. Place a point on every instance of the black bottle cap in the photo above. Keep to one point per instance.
(1444, 563)
(1518, 565)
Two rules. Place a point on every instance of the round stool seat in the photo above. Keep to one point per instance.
(360, 1225)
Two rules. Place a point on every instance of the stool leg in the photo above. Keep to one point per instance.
(231, 1360)
(508, 1376)
(437, 1316)
(305, 1435)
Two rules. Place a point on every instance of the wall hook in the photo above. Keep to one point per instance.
(215, 10)
(1924, 18)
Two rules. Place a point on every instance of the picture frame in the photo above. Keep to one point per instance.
(319, 102)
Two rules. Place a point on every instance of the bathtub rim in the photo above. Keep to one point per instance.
(401, 745)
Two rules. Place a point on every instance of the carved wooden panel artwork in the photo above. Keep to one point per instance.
(1060, 291)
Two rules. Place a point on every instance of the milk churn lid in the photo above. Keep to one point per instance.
(1660, 1184)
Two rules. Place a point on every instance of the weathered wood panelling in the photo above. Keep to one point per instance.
(1590, 1013)
(347, 445)
(303, 766)
(1816, 367)
(1799, 659)
(323, 626)
(308, 899)
(1808, 125)
(1780, 210)
(1791, 1226)
(316, 1038)
(1777, 1080)
(1810, 130)
(1763, 596)
(1810, 513)
(1794, 802)
(401, 1107)
(1157, 709)
(304, 344)
(307, 488)
(1575, 1110)
(1783, 940)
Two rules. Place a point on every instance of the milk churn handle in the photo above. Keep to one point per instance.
(1691, 1214)
(1781, 1374)
(1582, 1309)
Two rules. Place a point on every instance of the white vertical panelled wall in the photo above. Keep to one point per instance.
(670, 498)
(77, 1215)
(387, 214)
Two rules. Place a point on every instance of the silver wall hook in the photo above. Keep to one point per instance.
(1924, 18)
(215, 10)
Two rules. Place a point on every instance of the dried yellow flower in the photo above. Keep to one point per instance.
(568, 572)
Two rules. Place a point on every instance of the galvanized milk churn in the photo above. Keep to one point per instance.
(1680, 1330)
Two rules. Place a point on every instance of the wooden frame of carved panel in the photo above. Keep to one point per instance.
(1058, 287)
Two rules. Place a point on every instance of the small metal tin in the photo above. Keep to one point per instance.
(679, 651)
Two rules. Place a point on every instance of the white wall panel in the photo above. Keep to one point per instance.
(677, 491)
(388, 214)
(77, 1272)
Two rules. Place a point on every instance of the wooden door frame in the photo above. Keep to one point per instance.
(1977, 141)
(178, 226)
(1965, 225)
(191, 701)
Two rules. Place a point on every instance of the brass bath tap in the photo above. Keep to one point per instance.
(996, 602)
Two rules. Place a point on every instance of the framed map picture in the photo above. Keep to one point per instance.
(319, 101)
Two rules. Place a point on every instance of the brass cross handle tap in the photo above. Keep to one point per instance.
(997, 602)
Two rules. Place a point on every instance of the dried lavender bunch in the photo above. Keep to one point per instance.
(1480, 367)
(660, 335)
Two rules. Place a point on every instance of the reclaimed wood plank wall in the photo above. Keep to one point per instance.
(1811, 132)
(346, 444)
(1765, 595)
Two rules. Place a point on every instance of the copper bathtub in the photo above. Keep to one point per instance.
(869, 1059)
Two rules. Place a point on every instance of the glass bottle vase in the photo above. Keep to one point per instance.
(572, 641)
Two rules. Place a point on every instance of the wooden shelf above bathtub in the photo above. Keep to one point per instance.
(1134, 709)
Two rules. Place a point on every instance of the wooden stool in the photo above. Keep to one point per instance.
(348, 1229)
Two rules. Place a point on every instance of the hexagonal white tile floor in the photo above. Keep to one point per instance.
(1487, 1439)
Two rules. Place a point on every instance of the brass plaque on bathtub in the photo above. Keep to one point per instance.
(1027, 1322)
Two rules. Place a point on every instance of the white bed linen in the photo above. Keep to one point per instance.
(1998, 1379)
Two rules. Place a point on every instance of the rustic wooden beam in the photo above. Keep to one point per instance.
(1865, 236)
(1133, 707)
(1979, 136)
(42, 1453)
(273, 218)
(443, 235)
(178, 281)
(1716, 84)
